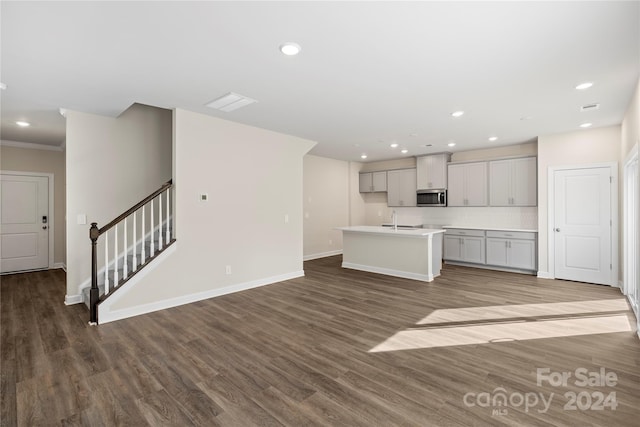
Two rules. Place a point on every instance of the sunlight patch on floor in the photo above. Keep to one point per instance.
(500, 332)
(467, 314)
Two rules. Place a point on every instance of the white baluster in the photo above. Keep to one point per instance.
(168, 233)
(135, 250)
(115, 256)
(106, 262)
(160, 236)
(143, 254)
(153, 249)
(125, 262)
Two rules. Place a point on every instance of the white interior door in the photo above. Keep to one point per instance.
(24, 211)
(582, 225)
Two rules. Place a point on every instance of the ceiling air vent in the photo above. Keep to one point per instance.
(590, 107)
(229, 102)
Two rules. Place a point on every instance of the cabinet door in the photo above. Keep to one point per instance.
(455, 192)
(475, 184)
(393, 188)
(408, 189)
(524, 182)
(497, 251)
(452, 248)
(379, 181)
(437, 171)
(422, 173)
(500, 183)
(473, 249)
(366, 183)
(522, 254)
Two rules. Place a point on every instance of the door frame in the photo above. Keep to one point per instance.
(50, 208)
(551, 250)
(631, 200)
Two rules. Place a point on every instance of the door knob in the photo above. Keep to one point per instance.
(44, 227)
(557, 230)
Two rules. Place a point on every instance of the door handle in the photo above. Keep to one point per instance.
(44, 227)
(557, 230)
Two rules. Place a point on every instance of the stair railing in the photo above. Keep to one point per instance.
(150, 239)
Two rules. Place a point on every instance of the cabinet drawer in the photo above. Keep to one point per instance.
(464, 232)
(512, 234)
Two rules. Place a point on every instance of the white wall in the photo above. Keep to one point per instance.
(598, 145)
(45, 161)
(112, 163)
(326, 205)
(631, 124)
(254, 179)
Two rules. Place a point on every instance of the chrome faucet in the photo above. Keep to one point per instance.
(394, 219)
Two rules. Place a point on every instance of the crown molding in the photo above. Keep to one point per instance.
(31, 146)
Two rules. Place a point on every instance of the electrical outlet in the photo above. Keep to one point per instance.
(228, 269)
(379, 213)
(330, 242)
(286, 218)
(204, 197)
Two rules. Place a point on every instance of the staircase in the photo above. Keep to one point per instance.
(142, 232)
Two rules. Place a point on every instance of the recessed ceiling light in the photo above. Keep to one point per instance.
(493, 138)
(526, 118)
(404, 151)
(451, 144)
(585, 125)
(413, 134)
(394, 145)
(23, 124)
(364, 156)
(229, 102)
(585, 85)
(428, 145)
(3, 86)
(290, 49)
(457, 113)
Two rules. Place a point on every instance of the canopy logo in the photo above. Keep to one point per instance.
(584, 399)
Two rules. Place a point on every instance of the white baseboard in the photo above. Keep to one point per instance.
(73, 299)
(390, 272)
(544, 275)
(322, 255)
(106, 316)
(61, 265)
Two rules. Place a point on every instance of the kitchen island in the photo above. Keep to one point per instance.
(409, 253)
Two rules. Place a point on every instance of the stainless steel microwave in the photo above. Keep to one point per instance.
(432, 197)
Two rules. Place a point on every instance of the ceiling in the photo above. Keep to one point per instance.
(369, 73)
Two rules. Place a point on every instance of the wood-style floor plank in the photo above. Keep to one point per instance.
(300, 353)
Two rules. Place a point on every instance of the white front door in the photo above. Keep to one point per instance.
(24, 219)
(582, 225)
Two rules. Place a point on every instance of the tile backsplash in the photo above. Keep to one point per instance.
(491, 217)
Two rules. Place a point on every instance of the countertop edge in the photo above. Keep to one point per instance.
(524, 230)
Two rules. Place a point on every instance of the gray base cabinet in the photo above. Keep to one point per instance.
(465, 246)
(492, 249)
(511, 249)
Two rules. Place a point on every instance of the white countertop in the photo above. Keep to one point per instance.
(418, 232)
(469, 227)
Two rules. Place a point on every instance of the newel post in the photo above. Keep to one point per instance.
(94, 294)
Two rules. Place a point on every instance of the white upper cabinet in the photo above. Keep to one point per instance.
(401, 187)
(373, 182)
(432, 171)
(513, 182)
(467, 184)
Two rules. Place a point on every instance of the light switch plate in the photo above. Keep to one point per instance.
(204, 197)
(82, 219)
